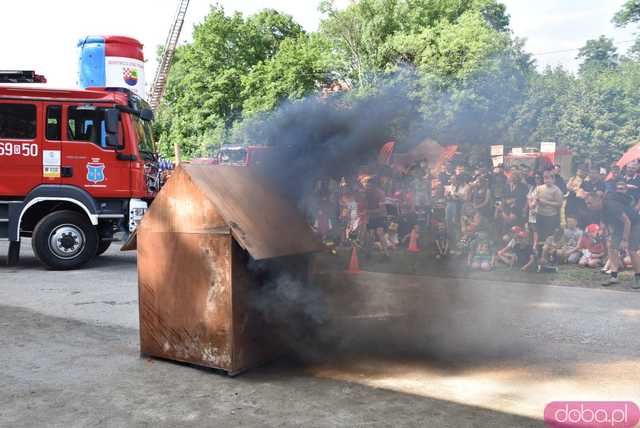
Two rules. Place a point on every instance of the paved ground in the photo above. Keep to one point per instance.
(494, 354)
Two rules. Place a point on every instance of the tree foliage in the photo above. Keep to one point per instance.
(456, 71)
(629, 13)
(598, 55)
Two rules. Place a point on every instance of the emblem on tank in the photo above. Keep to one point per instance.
(130, 76)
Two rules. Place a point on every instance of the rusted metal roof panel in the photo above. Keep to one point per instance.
(262, 222)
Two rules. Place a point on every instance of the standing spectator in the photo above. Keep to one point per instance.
(594, 182)
(444, 177)
(549, 201)
(624, 231)
(532, 204)
(481, 198)
(558, 180)
(455, 196)
(633, 181)
(575, 204)
(517, 190)
(461, 173)
(612, 178)
(498, 183)
(376, 211)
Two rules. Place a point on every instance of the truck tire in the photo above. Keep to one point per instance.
(64, 240)
(102, 247)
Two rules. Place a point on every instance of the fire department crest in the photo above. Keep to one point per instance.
(95, 172)
(130, 76)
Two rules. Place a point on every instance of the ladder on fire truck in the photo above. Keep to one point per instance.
(162, 72)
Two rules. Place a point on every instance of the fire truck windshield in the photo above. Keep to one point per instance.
(235, 156)
(144, 136)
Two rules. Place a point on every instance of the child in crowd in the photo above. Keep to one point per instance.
(572, 235)
(381, 242)
(481, 255)
(592, 247)
(518, 252)
(552, 251)
(393, 239)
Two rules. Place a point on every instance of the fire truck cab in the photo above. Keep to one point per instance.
(239, 155)
(76, 168)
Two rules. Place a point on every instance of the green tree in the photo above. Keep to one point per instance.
(204, 95)
(364, 36)
(629, 13)
(598, 55)
(299, 68)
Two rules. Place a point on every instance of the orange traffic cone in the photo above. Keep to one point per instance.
(354, 266)
(413, 242)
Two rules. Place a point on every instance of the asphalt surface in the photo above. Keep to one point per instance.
(494, 354)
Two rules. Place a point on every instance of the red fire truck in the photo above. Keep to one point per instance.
(238, 155)
(76, 168)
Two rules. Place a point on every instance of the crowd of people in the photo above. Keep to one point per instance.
(517, 217)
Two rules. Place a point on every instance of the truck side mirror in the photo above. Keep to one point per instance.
(146, 114)
(112, 116)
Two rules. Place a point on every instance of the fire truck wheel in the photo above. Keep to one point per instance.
(102, 247)
(64, 240)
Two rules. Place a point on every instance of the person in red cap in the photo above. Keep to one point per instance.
(591, 247)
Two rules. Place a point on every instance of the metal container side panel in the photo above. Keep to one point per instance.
(257, 337)
(184, 284)
(181, 207)
(255, 340)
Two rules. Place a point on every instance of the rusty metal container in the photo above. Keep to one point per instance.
(196, 245)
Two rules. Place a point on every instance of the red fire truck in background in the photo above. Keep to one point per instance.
(76, 167)
(236, 155)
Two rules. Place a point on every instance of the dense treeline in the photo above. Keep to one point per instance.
(465, 76)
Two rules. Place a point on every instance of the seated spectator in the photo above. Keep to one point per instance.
(506, 216)
(481, 255)
(572, 235)
(518, 252)
(393, 239)
(592, 247)
(552, 250)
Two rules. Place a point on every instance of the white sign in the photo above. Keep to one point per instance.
(497, 150)
(497, 160)
(126, 73)
(547, 147)
(51, 157)
(516, 151)
(51, 163)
